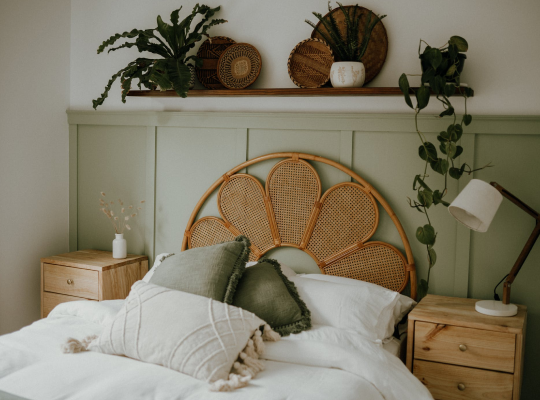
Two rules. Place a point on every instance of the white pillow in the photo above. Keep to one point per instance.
(287, 271)
(157, 262)
(404, 305)
(366, 308)
(188, 333)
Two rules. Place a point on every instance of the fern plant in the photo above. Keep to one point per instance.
(346, 47)
(171, 42)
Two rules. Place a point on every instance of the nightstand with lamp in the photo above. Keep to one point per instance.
(475, 208)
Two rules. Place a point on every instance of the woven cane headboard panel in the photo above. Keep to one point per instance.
(334, 228)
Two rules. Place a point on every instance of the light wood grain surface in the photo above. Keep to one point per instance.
(465, 346)
(450, 382)
(71, 281)
(91, 259)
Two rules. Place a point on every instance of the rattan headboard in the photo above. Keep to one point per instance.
(333, 229)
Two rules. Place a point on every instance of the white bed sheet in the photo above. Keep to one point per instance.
(321, 363)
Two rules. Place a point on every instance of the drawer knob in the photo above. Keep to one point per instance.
(462, 347)
(461, 386)
(70, 281)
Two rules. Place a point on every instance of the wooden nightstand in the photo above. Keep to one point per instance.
(88, 275)
(459, 353)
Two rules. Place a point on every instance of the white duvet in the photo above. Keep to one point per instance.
(322, 363)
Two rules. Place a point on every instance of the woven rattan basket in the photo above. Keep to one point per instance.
(239, 66)
(309, 63)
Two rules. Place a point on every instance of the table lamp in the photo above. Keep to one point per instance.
(475, 208)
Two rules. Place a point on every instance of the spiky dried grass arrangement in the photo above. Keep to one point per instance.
(119, 220)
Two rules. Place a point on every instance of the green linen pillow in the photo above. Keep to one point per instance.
(211, 271)
(267, 293)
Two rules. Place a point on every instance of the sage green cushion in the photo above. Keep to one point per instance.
(267, 293)
(211, 271)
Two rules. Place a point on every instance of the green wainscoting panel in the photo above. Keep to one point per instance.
(189, 161)
(171, 158)
(517, 169)
(111, 159)
(391, 170)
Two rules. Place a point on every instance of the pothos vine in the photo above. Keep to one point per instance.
(441, 69)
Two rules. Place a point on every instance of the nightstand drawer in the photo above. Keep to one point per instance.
(449, 382)
(51, 300)
(464, 346)
(71, 281)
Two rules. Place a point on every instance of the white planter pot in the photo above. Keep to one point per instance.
(347, 74)
(119, 246)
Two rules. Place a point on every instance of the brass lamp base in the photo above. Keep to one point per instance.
(496, 308)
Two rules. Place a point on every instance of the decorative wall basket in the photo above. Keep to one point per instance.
(239, 66)
(309, 63)
(209, 52)
(375, 55)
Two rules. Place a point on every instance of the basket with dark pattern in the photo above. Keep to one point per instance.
(309, 63)
(239, 66)
(209, 52)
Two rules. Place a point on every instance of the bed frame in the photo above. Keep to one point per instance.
(333, 229)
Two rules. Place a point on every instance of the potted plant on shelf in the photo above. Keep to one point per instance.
(441, 70)
(172, 42)
(348, 70)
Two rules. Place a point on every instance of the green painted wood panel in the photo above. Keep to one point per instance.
(517, 169)
(389, 161)
(188, 161)
(112, 160)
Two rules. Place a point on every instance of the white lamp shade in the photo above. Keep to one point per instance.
(476, 205)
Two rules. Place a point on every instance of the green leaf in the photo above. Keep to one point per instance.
(451, 70)
(404, 86)
(422, 289)
(432, 257)
(458, 130)
(440, 137)
(460, 43)
(450, 148)
(422, 97)
(180, 75)
(426, 234)
(467, 119)
(448, 111)
(440, 166)
(468, 92)
(425, 197)
(438, 199)
(433, 56)
(455, 173)
(421, 182)
(459, 150)
(438, 84)
(427, 150)
(427, 75)
(449, 89)
(452, 52)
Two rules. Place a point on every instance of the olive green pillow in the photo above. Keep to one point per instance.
(211, 271)
(267, 293)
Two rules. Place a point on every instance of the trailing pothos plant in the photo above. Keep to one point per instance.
(346, 47)
(171, 42)
(441, 69)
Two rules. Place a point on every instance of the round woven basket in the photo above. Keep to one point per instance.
(239, 66)
(309, 63)
(209, 52)
(377, 49)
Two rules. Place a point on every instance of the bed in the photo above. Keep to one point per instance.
(323, 362)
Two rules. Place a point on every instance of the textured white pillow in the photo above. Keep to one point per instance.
(287, 271)
(362, 307)
(403, 306)
(188, 333)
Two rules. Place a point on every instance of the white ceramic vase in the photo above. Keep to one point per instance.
(347, 74)
(119, 246)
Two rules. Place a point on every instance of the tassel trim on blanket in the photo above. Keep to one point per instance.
(245, 368)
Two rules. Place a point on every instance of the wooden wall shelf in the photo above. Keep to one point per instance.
(284, 92)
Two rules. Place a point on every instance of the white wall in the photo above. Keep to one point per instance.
(34, 95)
(502, 62)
